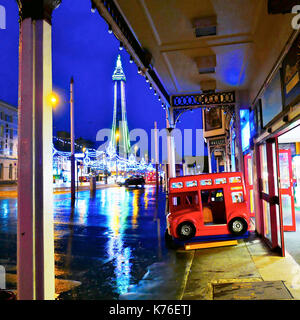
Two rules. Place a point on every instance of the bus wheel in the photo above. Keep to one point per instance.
(237, 226)
(170, 244)
(186, 231)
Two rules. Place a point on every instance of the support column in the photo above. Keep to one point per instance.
(171, 145)
(209, 157)
(156, 155)
(35, 232)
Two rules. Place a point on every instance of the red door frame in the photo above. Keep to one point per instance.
(288, 191)
(271, 197)
(249, 187)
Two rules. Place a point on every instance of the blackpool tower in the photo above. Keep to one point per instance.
(120, 135)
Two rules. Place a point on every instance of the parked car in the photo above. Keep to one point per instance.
(135, 180)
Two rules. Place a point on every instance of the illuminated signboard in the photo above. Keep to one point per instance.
(177, 185)
(206, 182)
(271, 100)
(245, 128)
(235, 180)
(237, 197)
(190, 184)
(220, 181)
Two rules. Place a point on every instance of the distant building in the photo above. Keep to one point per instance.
(8, 142)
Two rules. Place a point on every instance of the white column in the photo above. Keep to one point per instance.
(26, 212)
(156, 154)
(35, 232)
(171, 145)
(209, 156)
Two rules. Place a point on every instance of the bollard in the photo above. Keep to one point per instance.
(92, 183)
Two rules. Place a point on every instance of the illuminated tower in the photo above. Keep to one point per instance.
(120, 135)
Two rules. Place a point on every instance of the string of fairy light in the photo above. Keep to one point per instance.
(103, 160)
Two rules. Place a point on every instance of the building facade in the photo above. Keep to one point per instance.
(270, 130)
(8, 143)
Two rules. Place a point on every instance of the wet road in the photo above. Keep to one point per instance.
(111, 244)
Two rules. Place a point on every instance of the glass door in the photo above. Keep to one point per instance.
(269, 196)
(286, 190)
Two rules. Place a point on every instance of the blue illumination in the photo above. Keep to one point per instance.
(245, 129)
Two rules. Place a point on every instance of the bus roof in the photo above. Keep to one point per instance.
(193, 182)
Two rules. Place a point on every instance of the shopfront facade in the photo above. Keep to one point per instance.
(271, 149)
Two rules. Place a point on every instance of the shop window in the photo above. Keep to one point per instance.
(213, 206)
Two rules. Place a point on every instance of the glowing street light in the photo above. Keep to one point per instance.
(53, 99)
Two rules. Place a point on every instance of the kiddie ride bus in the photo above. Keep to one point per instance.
(207, 207)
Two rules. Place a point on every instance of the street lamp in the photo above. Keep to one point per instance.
(54, 100)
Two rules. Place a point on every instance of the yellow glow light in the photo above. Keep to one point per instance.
(53, 99)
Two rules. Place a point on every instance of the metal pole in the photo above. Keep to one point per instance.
(72, 142)
(156, 155)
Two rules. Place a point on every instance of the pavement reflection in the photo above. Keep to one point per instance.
(107, 247)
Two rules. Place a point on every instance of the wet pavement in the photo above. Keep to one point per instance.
(111, 246)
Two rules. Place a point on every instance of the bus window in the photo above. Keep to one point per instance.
(213, 206)
(191, 199)
(176, 201)
(217, 195)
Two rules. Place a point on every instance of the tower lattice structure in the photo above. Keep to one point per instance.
(120, 134)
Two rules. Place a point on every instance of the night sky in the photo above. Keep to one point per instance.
(83, 48)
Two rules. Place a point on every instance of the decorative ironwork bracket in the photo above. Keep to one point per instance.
(203, 99)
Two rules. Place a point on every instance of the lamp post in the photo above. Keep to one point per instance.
(54, 100)
(72, 141)
(156, 155)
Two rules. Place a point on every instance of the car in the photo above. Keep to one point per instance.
(135, 180)
(207, 207)
(120, 181)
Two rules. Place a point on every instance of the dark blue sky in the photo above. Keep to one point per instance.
(83, 48)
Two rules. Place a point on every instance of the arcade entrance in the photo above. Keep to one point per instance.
(289, 165)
